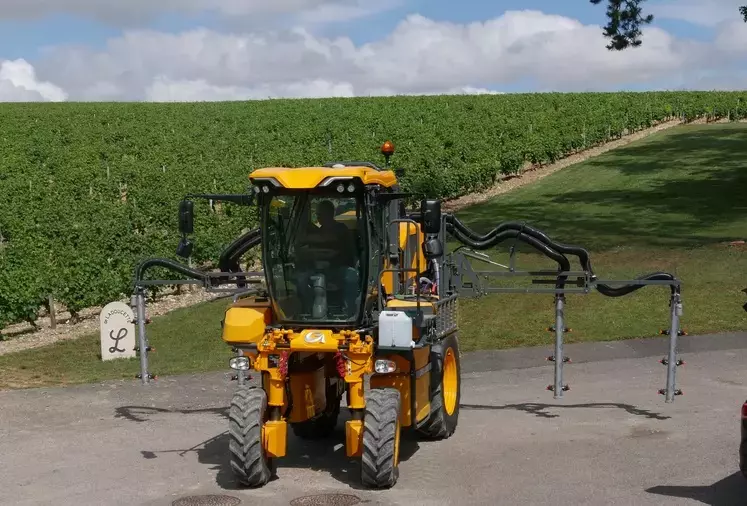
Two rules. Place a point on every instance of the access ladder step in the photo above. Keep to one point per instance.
(551, 358)
(663, 391)
(665, 332)
(552, 388)
(150, 376)
(665, 361)
(552, 329)
(235, 377)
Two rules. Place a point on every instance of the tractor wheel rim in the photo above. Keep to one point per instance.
(396, 444)
(450, 382)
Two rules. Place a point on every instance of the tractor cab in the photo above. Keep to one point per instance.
(322, 236)
(315, 253)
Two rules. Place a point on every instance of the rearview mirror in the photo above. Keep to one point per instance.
(184, 249)
(430, 211)
(186, 217)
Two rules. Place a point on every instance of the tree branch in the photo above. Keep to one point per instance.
(625, 20)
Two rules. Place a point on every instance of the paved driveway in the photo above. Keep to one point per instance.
(611, 440)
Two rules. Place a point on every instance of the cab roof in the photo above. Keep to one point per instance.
(313, 177)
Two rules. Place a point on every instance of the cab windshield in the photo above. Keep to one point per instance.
(315, 256)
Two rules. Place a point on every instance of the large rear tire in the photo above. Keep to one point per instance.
(247, 414)
(446, 390)
(381, 438)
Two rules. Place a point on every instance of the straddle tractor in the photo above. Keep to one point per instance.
(357, 303)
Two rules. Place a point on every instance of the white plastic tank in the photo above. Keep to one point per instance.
(395, 329)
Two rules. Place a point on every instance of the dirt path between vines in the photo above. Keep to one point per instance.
(23, 336)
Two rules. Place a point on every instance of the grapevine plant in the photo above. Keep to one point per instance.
(90, 189)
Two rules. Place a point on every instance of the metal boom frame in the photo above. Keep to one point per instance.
(464, 280)
(456, 278)
(212, 283)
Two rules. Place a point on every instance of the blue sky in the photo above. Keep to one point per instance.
(53, 47)
(23, 38)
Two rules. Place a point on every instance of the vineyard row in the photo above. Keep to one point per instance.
(88, 190)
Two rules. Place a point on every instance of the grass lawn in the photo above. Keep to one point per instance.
(670, 202)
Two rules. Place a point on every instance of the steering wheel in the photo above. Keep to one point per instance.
(324, 254)
(318, 251)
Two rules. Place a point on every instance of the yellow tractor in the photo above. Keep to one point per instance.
(357, 299)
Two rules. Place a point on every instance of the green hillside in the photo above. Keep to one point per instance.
(90, 189)
(671, 202)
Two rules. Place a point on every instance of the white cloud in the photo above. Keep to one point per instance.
(18, 83)
(699, 12)
(421, 56)
(166, 90)
(344, 11)
(132, 12)
(732, 38)
(471, 90)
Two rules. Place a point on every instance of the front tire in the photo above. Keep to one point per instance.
(247, 414)
(381, 438)
(446, 388)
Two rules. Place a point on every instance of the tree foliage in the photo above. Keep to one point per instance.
(625, 19)
(624, 25)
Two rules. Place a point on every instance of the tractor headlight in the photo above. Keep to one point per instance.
(256, 189)
(351, 187)
(340, 187)
(266, 189)
(239, 363)
(385, 366)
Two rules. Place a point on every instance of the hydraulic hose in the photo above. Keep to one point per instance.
(229, 259)
(169, 264)
(498, 238)
(487, 240)
(626, 289)
(566, 249)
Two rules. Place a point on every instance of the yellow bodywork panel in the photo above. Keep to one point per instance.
(354, 438)
(408, 305)
(314, 341)
(422, 383)
(274, 438)
(401, 381)
(310, 177)
(410, 240)
(245, 324)
(308, 394)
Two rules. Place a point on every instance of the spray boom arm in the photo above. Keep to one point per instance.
(458, 276)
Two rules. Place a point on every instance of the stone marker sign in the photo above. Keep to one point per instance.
(117, 322)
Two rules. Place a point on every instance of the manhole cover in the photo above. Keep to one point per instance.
(207, 500)
(326, 500)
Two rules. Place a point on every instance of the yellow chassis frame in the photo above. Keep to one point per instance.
(270, 359)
